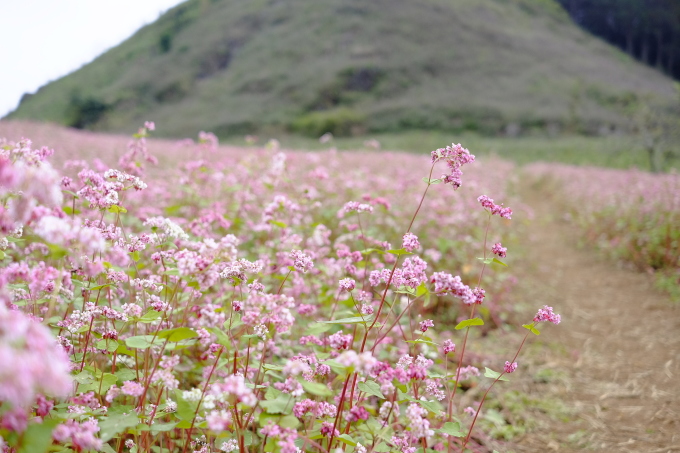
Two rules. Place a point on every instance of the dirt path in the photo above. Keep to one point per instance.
(617, 348)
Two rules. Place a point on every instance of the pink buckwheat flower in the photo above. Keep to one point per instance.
(510, 367)
(410, 242)
(499, 250)
(132, 388)
(301, 261)
(424, 325)
(357, 413)
(455, 157)
(495, 209)
(38, 363)
(546, 314)
(448, 346)
(347, 284)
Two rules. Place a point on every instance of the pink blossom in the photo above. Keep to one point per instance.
(424, 325)
(38, 364)
(546, 314)
(347, 284)
(410, 242)
(448, 346)
(132, 388)
(510, 367)
(455, 157)
(499, 250)
(301, 261)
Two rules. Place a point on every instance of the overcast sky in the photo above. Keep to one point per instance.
(42, 40)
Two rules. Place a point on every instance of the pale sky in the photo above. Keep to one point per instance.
(43, 40)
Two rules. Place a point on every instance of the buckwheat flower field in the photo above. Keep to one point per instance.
(197, 298)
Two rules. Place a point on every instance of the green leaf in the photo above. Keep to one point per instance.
(286, 421)
(57, 251)
(38, 436)
(106, 448)
(382, 448)
(185, 409)
(399, 252)
(354, 320)
(122, 349)
(278, 224)
(222, 337)
(432, 406)
(372, 388)
(107, 344)
(531, 327)
(2, 255)
(125, 374)
(452, 429)
(347, 439)
(149, 316)
(141, 342)
(420, 340)
(97, 288)
(84, 377)
(136, 256)
(369, 251)
(431, 181)
(117, 209)
(337, 367)
(486, 260)
(100, 385)
(470, 323)
(488, 372)
(318, 328)
(497, 261)
(113, 425)
(178, 334)
(316, 388)
(162, 427)
(282, 404)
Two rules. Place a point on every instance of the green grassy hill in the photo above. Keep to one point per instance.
(353, 66)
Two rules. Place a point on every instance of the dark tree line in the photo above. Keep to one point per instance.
(648, 30)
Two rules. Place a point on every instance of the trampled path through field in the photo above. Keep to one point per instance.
(617, 350)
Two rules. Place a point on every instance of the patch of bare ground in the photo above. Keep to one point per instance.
(614, 361)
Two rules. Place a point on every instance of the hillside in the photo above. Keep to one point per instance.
(350, 66)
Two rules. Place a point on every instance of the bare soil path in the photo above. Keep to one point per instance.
(617, 348)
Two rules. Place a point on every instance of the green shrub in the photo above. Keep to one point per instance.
(339, 122)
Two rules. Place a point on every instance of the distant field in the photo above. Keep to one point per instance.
(612, 151)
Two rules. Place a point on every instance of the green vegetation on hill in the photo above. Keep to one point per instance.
(353, 66)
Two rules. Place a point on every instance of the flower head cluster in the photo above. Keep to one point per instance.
(510, 367)
(410, 242)
(81, 435)
(448, 346)
(424, 325)
(446, 283)
(352, 206)
(347, 284)
(301, 261)
(546, 314)
(455, 156)
(495, 209)
(38, 364)
(499, 250)
(233, 390)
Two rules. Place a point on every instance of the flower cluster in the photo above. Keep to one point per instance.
(455, 157)
(493, 208)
